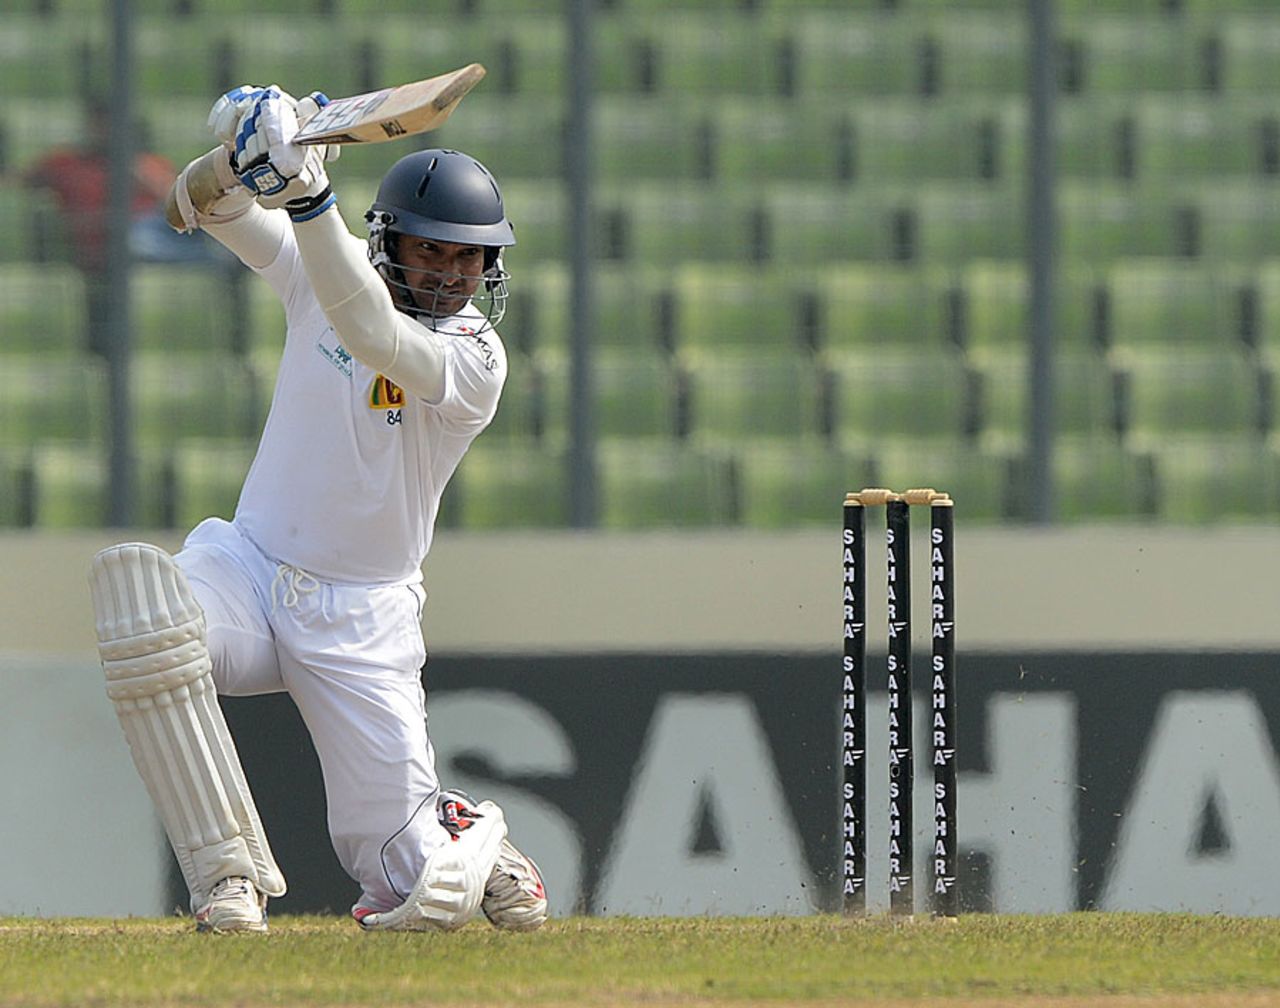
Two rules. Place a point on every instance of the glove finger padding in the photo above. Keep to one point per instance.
(224, 117)
(268, 162)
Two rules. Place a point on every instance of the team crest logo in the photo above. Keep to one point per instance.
(385, 394)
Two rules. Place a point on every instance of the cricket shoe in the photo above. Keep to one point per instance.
(515, 898)
(234, 905)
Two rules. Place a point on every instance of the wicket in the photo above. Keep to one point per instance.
(853, 860)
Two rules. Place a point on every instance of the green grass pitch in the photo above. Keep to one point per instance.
(1092, 959)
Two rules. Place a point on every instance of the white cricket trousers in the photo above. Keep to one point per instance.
(350, 656)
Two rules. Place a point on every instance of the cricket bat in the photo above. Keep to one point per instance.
(392, 112)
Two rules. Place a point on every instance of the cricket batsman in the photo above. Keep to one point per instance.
(391, 367)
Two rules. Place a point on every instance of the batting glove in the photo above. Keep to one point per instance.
(278, 171)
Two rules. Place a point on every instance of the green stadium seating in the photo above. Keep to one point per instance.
(659, 222)
(794, 484)
(754, 139)
(178, 395)
(1250, 52)
(980, 482)
(736, 307)
(819, 224)
(1083, 397)
(508, 485)
(47, 396)
(1196, 136)
(758, 393)
(38, 58)
(515, 136)
(1240, 220)
(1173, 392)
(695, 53)
(1100, 222)
(70, 485)
(1099, 479)
(652, 138)
(207, 477)
(35, 126)
(522, 410)
(631, 305)
(180, 308)
(872, 305)
(1162, 302)
(537, 211)
(167, 69)
(301, 55)
(965, 51)
(16, 503)
(915, 139)
(663, 484)
(839, 52)
(1267, 310)
(1090, 138)
(997, 313)
(884, 392)
(42, 308)
(962, 221)
(635, 393)
(1131, 53)
(1214, 480)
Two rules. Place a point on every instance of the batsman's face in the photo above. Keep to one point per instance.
(443, 275)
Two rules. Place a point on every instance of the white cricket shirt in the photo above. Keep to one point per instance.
(348, 475)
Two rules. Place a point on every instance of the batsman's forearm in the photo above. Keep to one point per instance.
(357, 304)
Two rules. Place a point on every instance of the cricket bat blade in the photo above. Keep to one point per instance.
(393, 112)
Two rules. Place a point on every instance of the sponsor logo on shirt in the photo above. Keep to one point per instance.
(334, 352)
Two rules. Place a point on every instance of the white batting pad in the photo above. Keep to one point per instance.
(151, 638)
(449, 890)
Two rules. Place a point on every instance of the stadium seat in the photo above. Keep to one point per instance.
(915, 139)
(70, 485)
(965, 51)
(1099, 479)
(636, 392)
(827, 223)
(1180, 136)
(751, 139)
(736, 307)
(844, 53)
(886, 392)
(179, 395)
(958, 222)
(1131, 53)
(517, 136)
(1215, 480)
(1267, 321)
(508, 484)
(650, 138)
(180, 308)
(1084, 398)
(1161, 302)
(771, 394)
(1172, 392)
(34, 126)
(800, 483)
(997, 313)
(872, 305)
(39, 61)
(17, 505)
(1250, 51)
(700, 53)
(663, 484)
(1100, 222)
(662, 223)
(207, 477)
(1239, 220)
(980, 482)
(1093, 138)
(47, 397)
(42, 308)
(537, 211)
